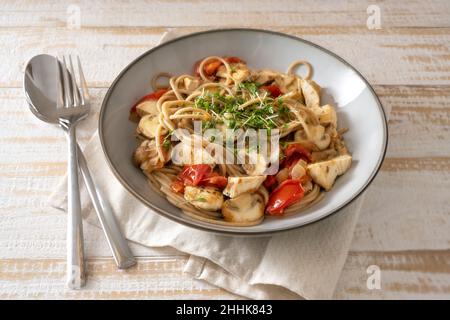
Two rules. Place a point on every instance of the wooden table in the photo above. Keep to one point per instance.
(405, 223)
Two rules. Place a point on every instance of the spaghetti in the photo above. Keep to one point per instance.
(225, 95)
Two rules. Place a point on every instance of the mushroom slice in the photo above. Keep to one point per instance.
(147, 107)
(264, 76)
(323, 155)
(262, 191)
(148, 126)
(311, 93)
(204, 198)
(282, 175)
(191, 84)
(327, 115)
(146, 156)
(257, 167)
(185, 153)
(324, 173)
(286, 82)
(298, 170)
(248, 207)
(239, 185)
(319, 137)
(239, 72)
(291, 85)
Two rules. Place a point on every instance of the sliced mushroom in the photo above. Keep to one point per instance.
(264, 194)
(307, 186)
(313, 137)
(301, 138)
(326, 114)
(248, 207)
(286, 82)
(203, 198)
(319, 137)
(298, 170)
(146, 156)
(239, 72)
(147, 107)
(264, 76)
(323, 155)
(291, 85)
(134, 117)
(148, 126)
(311, 93)
(257, 167)
(282, 175)
(340, 147)
(239, 185)
(187, 154)
(325, 173)
(221, 72)
(191, 84)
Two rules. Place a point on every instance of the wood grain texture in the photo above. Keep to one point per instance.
(405, 218)
(411, 274)
(263, 13)
(406, 274)
(160, 278)
(397, 56)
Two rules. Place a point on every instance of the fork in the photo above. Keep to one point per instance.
(72, 106)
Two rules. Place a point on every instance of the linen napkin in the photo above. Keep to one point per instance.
(303, 263)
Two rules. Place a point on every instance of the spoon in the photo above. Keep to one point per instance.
(40, 85)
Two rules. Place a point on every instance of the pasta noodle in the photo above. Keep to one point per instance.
(191, 168)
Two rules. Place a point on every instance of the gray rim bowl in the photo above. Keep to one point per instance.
(153, 201)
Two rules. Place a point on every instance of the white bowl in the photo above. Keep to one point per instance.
(358, 108)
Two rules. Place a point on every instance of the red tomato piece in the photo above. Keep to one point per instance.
(286, 194)
(210, 68)
(155, 95)
(273, 90)
(194, 174)
(233, 60)
(151, 96)
(217, 181)
(270, 182)
(177, 186)
(200, 175)
(295, 152)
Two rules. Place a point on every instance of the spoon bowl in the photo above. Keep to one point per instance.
(40, 83)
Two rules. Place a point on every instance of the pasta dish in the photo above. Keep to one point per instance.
(231, 145)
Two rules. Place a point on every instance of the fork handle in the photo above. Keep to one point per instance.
(121, 251)
(75, 251)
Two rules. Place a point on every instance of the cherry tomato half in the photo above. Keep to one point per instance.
(287, 193)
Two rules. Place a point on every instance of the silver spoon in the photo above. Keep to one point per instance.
(40, 85)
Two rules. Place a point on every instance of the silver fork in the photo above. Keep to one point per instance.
(73, 106)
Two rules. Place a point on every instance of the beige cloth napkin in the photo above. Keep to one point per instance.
(304, 263)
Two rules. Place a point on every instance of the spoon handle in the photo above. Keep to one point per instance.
(75, 251)
(121, 252)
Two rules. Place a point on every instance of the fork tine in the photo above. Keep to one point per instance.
(67, 88)
(83, 84)
(76, 94)
(59, 97)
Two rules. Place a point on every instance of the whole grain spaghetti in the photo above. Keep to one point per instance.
(186, 163)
